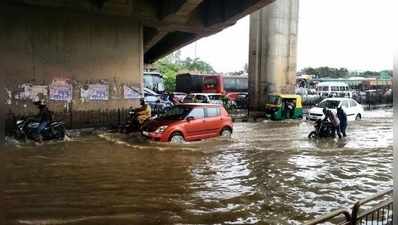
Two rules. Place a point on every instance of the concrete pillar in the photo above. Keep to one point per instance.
(272, 51)
(41, 45)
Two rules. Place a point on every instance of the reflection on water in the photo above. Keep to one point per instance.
(268, 173)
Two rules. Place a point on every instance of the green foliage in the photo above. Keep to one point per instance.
(329, 72)
(172, 64)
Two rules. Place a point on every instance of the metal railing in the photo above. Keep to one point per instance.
(379, 213)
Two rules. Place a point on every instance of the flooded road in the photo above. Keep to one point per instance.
(268, 173)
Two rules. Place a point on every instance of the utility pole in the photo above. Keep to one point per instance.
(2, 111)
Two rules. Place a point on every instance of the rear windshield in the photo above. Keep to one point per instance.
(188, 98)
(177, 112)
(331, 104)
(215, 97)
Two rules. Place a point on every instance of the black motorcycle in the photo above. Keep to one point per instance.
(323, 129)
(132, 124)
(26, 129)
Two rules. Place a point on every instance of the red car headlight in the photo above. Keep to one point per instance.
(161, 129)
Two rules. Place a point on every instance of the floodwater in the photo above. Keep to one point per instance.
(268, 173)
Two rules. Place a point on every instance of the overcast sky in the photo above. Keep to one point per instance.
(356, 34)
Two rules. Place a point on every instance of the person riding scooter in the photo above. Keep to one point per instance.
(143, 113)
(329, 115)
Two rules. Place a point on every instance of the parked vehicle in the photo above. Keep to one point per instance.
(156, 102)
(190, 122)
(189, 83)
(242, 100)
(351, 107)
(212, 98)
(280, 107)
(334, 89)
(230, 86)
(154, 81)
(179, 96)
(323, 129)
(26, 129)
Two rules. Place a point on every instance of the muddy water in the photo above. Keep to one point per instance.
(268, 173)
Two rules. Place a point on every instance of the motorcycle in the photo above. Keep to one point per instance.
(26, 129)
(132, 124)
(323, 129)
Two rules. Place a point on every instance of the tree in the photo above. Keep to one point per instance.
(172, 64)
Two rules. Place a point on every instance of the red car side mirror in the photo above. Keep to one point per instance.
(190, 118)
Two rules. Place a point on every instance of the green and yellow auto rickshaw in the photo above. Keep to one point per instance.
(281, 107)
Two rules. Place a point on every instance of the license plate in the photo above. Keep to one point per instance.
(145, 133)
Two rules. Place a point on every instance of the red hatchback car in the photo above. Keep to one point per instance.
(190, 122)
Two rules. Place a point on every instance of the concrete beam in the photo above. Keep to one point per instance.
(216, 13)
(98, 7)
(149, 42)
(178, 10)
(171, 42)
(209, 18)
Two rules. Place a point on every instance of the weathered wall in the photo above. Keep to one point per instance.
(39, 45)
(272, 51)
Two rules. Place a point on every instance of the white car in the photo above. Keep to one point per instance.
(212, 98)
(352, 108)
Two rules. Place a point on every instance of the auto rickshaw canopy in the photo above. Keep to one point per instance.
(280, 97)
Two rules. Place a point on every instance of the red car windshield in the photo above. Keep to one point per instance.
(176, 113)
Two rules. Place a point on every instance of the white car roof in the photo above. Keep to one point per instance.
(207, 94)
(329, 83)
(337, 99)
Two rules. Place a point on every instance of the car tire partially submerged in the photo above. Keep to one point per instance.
(226, 132)
(177, 138)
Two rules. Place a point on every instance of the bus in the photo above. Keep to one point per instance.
(231, 86)
(154, 81)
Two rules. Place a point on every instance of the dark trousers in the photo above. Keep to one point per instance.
(337, 130)
(343, 128)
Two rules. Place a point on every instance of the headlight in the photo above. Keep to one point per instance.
(161, 129)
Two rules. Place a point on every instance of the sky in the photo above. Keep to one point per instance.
(356, 34)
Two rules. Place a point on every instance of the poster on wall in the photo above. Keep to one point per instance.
(32, 92)
(61, 90)
(131, 92)
(95, 92)
(39, 92)
(24, 92)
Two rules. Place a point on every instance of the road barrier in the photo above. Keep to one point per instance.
(379, 213)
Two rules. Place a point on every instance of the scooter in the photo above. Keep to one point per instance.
(26, 129)
(323, 129)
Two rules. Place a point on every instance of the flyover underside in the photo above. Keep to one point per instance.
(272, 51)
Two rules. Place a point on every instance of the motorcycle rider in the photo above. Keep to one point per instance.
(329, 115)
(343, 120)
(143, 113)
(43, 117)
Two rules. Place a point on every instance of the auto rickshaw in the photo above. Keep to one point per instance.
(281, 107)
